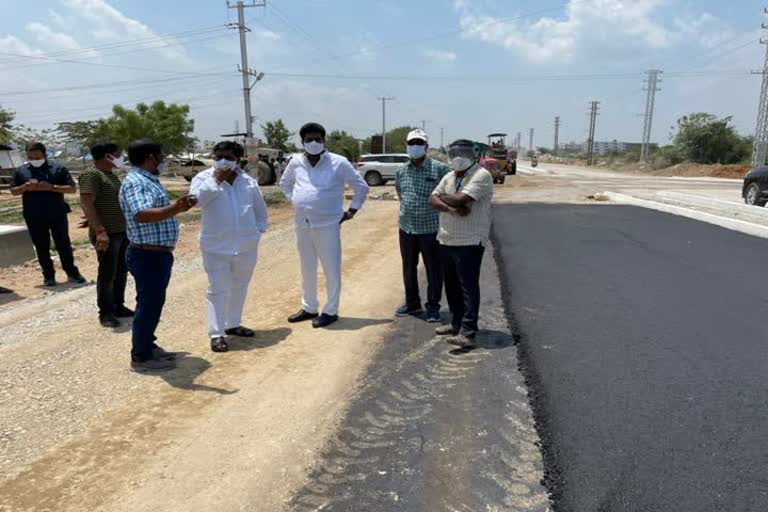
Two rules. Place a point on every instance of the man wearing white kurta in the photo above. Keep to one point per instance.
(234, 215)
(315, 183)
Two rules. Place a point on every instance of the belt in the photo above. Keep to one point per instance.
(147, 247)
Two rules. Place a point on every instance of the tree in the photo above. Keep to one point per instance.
(85, 133)
(6, 128)
(344, 144)
(169, 125)
(705, 139)
(23, 135)
(277, 134)
(395, 139)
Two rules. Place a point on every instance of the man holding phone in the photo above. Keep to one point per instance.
(152, 233)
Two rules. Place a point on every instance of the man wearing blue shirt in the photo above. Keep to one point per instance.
(152, 232)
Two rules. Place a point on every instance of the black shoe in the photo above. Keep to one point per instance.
(152, 365)
(434, 317)
(406, 311)
(5, 290)
(219, 344)
(160, 353)
(49, 281)
(324, 320)
(301, 316)
(109, 321)
(77, 279)
(123, 312)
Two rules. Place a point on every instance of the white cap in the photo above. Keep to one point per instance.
(417, 134)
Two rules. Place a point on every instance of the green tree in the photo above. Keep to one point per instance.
(6, 128)
(703, 138)
(85, 133)
(277, 134)
(395, 139)
(344, 144)
(168, 124)
(23, 135)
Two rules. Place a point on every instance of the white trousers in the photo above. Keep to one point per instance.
(228, 278)
(323, 244)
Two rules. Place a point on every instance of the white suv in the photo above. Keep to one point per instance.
(378, 169)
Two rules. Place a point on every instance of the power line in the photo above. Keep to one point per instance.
(652, 88)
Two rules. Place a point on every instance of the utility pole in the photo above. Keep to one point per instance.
(442, 138)
(593, 113)
(518, 141)
(652, 88)
(384, 101)
(243, 68)
(760, 148)
(557, 135)
(530, 140)
(424, 124)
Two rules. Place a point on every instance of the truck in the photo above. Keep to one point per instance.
(499, 156)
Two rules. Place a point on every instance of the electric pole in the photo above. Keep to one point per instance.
(384, 101)
(652, 88)
(243, 68)
(442, 138)
(593, 113)
(557, 134)
(760, 148)
(518, 141)
(530, 140)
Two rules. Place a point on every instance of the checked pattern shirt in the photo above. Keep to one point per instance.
(414, 187)
(141, 190)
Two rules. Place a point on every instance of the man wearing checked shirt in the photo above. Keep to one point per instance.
(152, 233)
(419, 223)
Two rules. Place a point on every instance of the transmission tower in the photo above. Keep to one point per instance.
(593, 113)
(652, 88)
(557, 135)
(760, 148)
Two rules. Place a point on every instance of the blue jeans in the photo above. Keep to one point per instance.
(151, 270)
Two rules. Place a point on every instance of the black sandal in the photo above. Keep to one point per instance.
(219, 345)
(241, 331)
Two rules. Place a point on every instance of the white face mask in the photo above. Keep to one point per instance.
(314, 148)
(416, 152)
(118, 162)
(461, 164)
(224, 164)
(36, 163)
(162, 168)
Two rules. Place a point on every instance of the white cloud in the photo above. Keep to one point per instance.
(13, 45)
(602, 25)
(440, 55)
(46, 37)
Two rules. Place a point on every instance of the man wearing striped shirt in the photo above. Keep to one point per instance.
(152, 233)
(463, 199)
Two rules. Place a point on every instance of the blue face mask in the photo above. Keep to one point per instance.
(416, 152)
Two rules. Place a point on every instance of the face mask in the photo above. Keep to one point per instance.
(314, 148)
(416, 152)
(36, 163)
(461, 164)
(118, 162)
(162, 168)
(224, 164)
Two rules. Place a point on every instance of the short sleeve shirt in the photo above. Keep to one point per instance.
(105, 186)
(43, 203)
(414, 186)
(475, 228)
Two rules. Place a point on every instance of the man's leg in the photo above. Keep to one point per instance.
(40, 233)
(430, 253)
(242, 271)
(409, 253)
(151, 271)
(217, 266)
(469, 263)
(105, 280)
(121, 270)
(308, 257)
(453, 291)
(60, 234)
(328, 244)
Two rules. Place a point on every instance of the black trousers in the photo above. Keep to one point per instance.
(461, 271)
(113, 274)
(41, 229)
(411, 246)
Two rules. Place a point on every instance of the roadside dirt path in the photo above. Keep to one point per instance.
(233, 431)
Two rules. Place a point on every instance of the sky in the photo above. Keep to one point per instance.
(466, 67)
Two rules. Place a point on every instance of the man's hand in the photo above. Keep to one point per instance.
(184, 203)
(102, 240)
(348, 215)
(222, 175)
(462, 211)
(83, 222)
(44, 186)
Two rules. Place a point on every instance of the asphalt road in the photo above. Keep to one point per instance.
(643, 337)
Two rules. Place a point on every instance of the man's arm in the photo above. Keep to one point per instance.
(88, 202)
(137, 204)
(457, 200)
(260, 208)
(69, 188)
(206, 189)
(19, 185)
(436, 202)
(288, 180)
(353, 179)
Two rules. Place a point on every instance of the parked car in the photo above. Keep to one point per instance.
(755, 189)
(379, 169)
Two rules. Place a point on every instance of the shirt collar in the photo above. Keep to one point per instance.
(323, 156)
(426, 164)
(145, 174)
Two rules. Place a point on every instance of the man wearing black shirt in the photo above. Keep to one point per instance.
(42, 185)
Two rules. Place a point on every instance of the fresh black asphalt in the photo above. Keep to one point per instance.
(644, 338)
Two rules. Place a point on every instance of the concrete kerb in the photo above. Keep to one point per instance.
(741, 226)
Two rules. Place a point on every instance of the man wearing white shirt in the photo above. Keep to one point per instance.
(234, 215)
(315, 183)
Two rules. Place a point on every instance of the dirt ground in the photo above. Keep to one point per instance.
(78, 431)
(688, 170)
